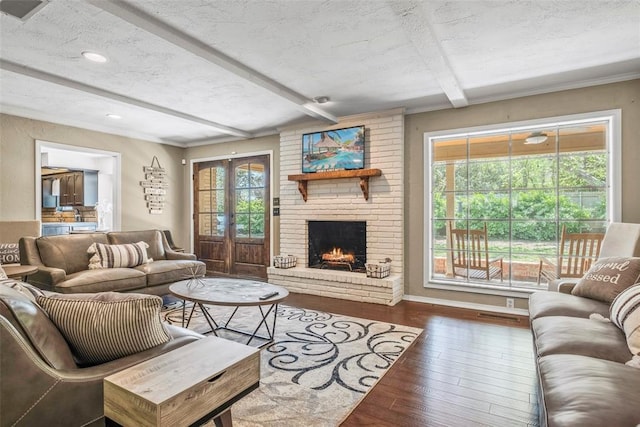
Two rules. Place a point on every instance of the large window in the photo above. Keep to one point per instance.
(499, 198)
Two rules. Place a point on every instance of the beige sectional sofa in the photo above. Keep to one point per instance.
(63, 263)
(584, 378)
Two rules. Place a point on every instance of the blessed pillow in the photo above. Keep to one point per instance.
(118, 256)
(607, 277)
(625, 314)
(107, 325)
(9, 253)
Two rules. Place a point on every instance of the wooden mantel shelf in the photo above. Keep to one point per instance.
(363, 174)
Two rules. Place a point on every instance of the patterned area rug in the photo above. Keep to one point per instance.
(317, 370)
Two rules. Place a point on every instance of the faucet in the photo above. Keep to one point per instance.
(77, 216)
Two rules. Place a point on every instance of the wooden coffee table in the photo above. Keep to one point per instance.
(210, 291)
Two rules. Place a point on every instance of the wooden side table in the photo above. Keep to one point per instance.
(19, 271)
(186, 386)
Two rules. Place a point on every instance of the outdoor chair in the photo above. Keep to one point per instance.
(470, 254)
(577, 252)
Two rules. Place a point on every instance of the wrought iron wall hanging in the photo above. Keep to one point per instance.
(154, 186)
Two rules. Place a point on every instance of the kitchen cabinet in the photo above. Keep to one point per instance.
(77, 188)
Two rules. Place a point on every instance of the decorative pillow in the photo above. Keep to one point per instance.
(9, 253)
(118, 256)
(607, 277)
(107, 325)
(625, 314)
(3, 274)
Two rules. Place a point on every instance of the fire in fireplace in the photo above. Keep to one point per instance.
(338, 245)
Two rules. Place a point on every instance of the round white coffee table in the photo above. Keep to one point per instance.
(212, 291)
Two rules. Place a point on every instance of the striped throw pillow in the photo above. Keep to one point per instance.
(625, 314)
(118, 256)
(108, 325)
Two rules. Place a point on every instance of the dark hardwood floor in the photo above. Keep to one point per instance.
(466, 369)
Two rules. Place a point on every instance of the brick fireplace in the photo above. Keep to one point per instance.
(343, 200)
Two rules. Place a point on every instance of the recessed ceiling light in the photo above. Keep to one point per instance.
(94, 57)
(321, 99)
(114, 116)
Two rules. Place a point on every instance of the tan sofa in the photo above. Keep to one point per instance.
(63, 264)
(583, 378)
(42, 385)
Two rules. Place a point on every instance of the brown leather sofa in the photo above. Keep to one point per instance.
(63, 264)
(583, 379)
(41, 385)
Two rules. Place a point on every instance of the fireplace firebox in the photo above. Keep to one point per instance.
(338, 245)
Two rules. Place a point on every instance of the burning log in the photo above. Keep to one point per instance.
(336, 255)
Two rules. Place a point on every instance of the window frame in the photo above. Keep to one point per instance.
(614, 181)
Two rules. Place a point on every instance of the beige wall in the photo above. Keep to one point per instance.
(17, 151)
(17, 171)
(240, 148)
(624, 96)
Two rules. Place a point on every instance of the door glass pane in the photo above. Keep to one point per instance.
(218, 224)
(204, 179)
(242, 201)
(218, 177)
(256, 225)
(204, 201)
(257, 201)
(242, 176)
(249, 197)
(257, 175)
(218, 200)
(204, 224)
(242, 225)
(211, 201)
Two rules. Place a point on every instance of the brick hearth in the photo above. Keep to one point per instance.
(342, 199)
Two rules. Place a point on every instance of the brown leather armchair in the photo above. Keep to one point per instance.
(41, 384)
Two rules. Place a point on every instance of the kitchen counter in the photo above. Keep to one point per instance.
(54, 228)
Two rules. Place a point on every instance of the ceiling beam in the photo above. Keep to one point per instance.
(413, 19)
(72, 84)
(142, 20)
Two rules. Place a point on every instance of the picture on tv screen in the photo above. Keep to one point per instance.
(330, 150)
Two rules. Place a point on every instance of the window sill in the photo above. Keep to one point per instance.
(482, 289)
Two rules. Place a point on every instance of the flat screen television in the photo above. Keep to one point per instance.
(331, 150)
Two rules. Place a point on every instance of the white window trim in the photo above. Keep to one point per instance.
(614, 120)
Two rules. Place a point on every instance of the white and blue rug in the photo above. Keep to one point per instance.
(319, 367)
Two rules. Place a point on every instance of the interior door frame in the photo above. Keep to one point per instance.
(116, 191)
(229, 157)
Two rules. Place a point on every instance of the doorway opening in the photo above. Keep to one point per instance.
(55, 160)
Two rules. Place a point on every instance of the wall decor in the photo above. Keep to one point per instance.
(154, 186)
(333, 150)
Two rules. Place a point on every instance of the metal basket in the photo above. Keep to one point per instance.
(284, 261)
(378, 270)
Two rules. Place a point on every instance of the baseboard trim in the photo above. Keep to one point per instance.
(468, 305)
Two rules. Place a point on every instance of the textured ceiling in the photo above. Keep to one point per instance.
(198, 71)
